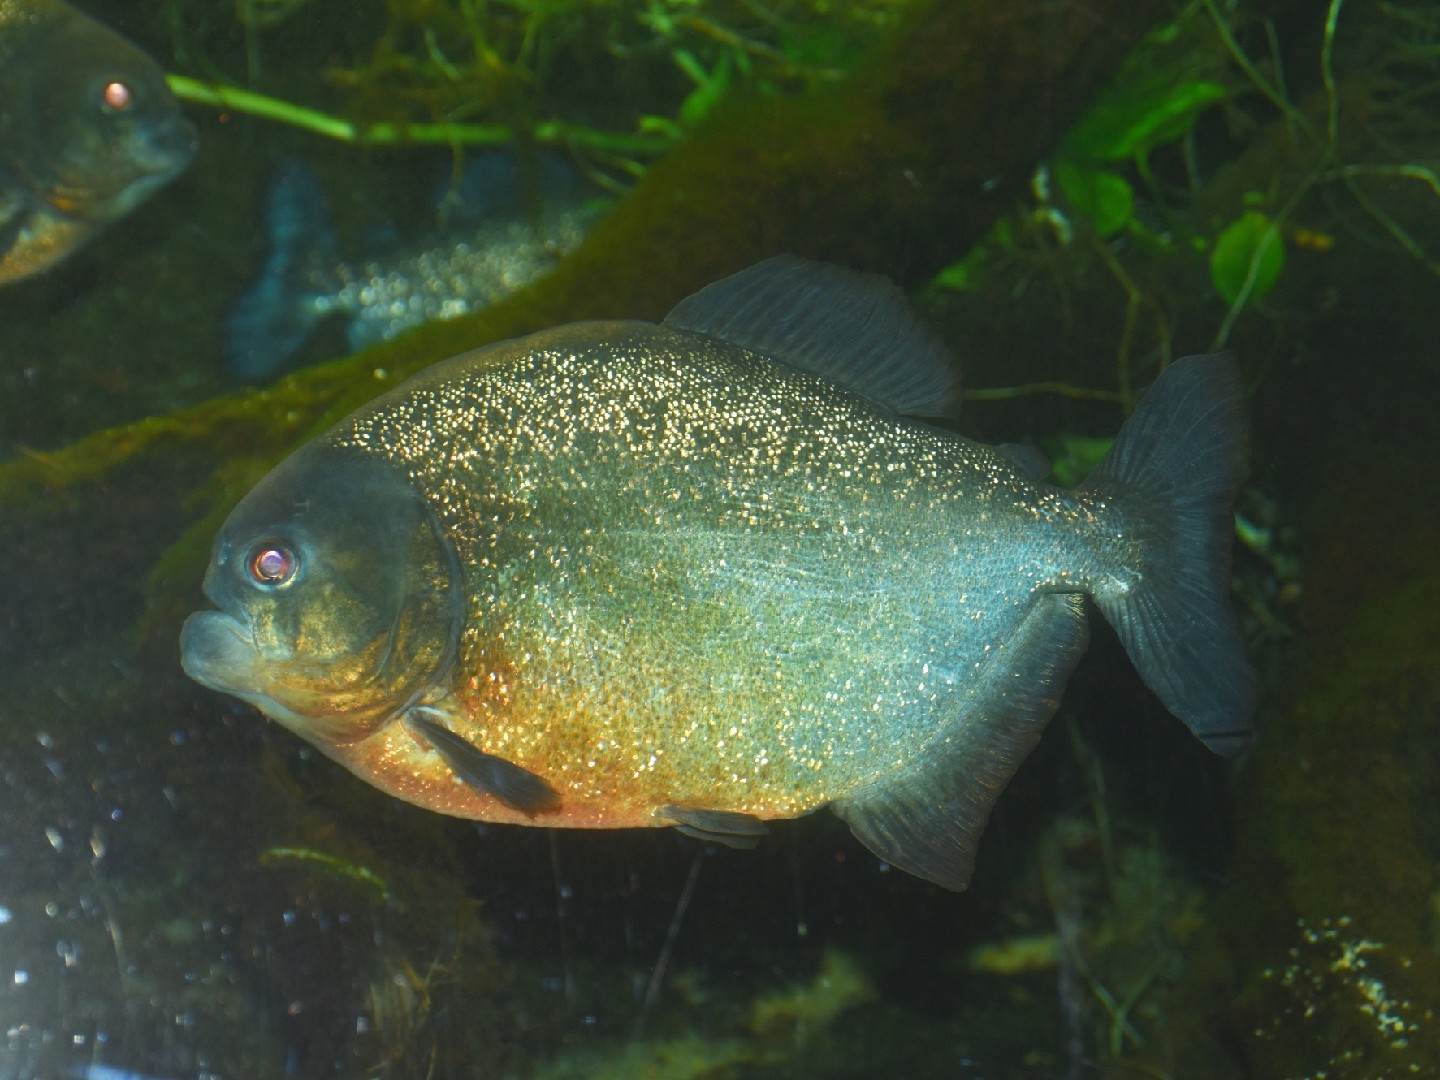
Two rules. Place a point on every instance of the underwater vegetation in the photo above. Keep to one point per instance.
(1340, 961)
(1124, 188)
(187, 891)
(465, 73)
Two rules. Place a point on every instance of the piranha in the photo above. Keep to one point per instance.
(500, 225)
(88, 131)
(709, 572)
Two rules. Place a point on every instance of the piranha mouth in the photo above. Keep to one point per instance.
(218, 650)
(167, 148)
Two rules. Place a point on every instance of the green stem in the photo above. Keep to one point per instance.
(240, 100)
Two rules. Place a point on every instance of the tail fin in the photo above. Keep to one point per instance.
(493, 185)
(271, 319)
(1179, 460)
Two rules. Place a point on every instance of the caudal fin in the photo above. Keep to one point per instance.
(492, 185)
(271, 319)
(1176, 464)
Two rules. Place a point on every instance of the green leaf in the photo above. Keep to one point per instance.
(685, 60)
(964, 274)
(1247, 259)
(660, 125)
(710, 86)
(1131, 122)
(1074, 457)
(1106, 199)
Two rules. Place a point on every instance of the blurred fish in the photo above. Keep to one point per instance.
(497, 237)
(109, 1072)
(704, 573)
(88, 130)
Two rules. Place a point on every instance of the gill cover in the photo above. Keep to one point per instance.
(339, 597)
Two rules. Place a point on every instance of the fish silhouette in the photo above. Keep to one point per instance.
(503, 228)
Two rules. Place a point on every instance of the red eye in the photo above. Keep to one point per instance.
(117, 96)
(272, 565)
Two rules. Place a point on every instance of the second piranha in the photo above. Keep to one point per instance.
(88, 131)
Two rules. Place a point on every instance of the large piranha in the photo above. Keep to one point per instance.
(707, 572)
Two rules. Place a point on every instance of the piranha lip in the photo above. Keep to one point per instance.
(169, 147)
(218, 651)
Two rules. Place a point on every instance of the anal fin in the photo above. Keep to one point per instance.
(517, 788)
(927, 820)
(716, 826)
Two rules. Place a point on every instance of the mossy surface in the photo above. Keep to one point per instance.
(1334, 924)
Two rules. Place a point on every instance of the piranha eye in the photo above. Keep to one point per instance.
(117, 96)
(272, 565)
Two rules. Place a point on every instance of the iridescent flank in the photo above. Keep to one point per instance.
(794, 587)
(383, 299)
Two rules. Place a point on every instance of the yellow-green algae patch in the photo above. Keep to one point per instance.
(1329, 929)
(839, 985)
(778, 1021)
(1345, 979)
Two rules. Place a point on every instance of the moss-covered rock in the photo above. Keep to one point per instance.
(1338, 866)
(1324, 960)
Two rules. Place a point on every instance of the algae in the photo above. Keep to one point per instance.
(779, 1019)
(1339, 969)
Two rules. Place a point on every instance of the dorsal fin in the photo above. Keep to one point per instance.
(857, 330)
(1029, 459)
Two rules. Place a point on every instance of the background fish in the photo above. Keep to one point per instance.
(503, 228)
(88, 130)
(702, 574)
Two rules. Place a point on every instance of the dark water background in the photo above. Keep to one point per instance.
(186, 890)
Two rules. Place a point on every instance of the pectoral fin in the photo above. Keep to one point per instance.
(717, 826)
(517, 788)
(31, 242)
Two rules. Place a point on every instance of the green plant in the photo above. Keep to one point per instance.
(1247, 259)
(1127, 186)
(1126, 125)
(465, 73)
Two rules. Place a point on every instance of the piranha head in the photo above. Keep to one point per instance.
(90, 126)
(339, 598)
